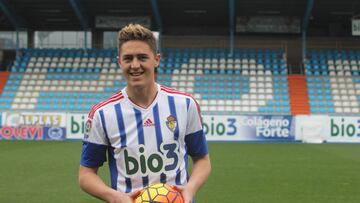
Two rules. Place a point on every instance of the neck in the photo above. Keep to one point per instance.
(143, 96)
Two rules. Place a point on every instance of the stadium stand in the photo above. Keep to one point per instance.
(333, 81)
(249, 81)
(61, 79)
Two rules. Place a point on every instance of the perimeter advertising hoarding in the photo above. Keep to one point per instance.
(33, 126)
(249, 128)
(76, 125)
(219, 128)
(312, 128)
(344, 129)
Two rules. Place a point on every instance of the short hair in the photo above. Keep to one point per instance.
(136, 32)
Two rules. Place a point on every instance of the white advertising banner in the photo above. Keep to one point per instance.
(16, 119)
(311, 129)
(33, 126)
(344, 129)
(76, 125)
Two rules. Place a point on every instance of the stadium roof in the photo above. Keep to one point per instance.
(172, 16)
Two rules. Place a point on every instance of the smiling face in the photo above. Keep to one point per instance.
(138, 62)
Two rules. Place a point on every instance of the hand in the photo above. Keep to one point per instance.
(186, 193)
(134, 194)
(125, 198)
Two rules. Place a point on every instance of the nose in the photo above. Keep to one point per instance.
(135, 63)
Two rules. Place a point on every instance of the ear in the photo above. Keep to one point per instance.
(157, 60)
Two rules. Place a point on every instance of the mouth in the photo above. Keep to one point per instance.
(135, 74)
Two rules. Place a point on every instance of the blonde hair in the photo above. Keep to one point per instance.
(136, 32)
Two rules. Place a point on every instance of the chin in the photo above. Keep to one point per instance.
(136, 84)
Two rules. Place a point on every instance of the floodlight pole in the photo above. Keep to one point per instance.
(231, 25)
(16, 21)
(305, 23)
(17, 42)
(85, 39)
(303, 42)
(158, 20)
(82, 16)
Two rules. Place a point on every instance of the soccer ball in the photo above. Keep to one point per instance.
(159, 193)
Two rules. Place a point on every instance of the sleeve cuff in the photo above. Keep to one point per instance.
(196, 144)
(93, 155)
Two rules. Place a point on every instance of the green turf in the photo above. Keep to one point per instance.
(35, 172)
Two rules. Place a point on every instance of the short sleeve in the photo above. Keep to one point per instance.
(194, 122)
(195, 138)
(95, 143)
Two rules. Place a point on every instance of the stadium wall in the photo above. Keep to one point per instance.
(266, 128)
(265, 41)
(222, 42)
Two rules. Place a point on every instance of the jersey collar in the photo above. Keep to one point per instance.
(137, 106)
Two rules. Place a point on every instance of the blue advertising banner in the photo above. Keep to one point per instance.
(249, 128)
(54, 133)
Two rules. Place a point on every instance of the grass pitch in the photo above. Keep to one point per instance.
(36, 172)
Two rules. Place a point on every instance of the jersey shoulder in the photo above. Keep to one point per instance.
(106, 102)
(175, 92)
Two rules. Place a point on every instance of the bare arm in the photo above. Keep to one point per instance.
(91, 183)
(200, 172)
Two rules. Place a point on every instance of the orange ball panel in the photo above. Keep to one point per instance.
(159, 193)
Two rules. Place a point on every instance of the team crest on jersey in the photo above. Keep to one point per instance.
(171, 123)
(87, 129)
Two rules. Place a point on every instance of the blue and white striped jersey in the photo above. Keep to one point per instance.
(144, 146)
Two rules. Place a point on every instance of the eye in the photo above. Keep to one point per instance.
(127, 59)
(142, 57)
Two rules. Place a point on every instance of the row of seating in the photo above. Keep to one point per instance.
(332, 73)
(332, 62)
(63, 52)
(333, 54)
(222, 71)
(222, 53)
(71, 59)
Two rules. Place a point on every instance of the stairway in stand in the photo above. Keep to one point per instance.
(298, 94)
(3, 78)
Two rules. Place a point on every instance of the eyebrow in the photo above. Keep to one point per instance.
(132, 55)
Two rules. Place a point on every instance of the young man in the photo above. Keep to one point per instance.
(148, 130)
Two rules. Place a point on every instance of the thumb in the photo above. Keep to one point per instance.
(134, 194)
(178, 188)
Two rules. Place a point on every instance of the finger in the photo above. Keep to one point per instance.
(178, 188)
(134, 194)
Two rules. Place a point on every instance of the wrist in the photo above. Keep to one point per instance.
(190, 190)
(112, 196)
(190, 187)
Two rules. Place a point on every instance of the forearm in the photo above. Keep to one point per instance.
(200, 173)
(91, 183)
